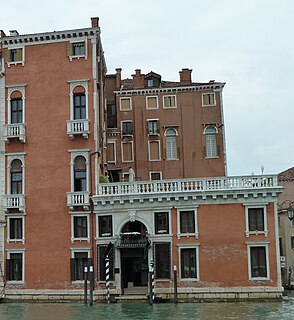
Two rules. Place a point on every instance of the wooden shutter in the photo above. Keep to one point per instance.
(152, 102)
(110, 152)
(19, 54)
(127, 152)
(154, 150)
(72, 269)
(125, 104)
(7, 56)
(69, 49)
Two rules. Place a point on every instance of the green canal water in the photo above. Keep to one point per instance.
(163, 311)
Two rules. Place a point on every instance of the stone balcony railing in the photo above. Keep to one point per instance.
(78, 127)
(14, 131)
(78, 199)
(14, 201)
(181, 187)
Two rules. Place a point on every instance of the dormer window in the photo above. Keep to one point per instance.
(150, 83)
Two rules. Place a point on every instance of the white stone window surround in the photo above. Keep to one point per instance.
(84, 249)
(150, 174)
(97, 226)
(251, 244)
(13, 216)
(150, 132)
(163, 101)
(14, 47)
(125, 142)
(79, 40)
(114, 150)
(163, 234)
(210, 142)
(73, 155)
(256, 206)
(171, 143)
(80, 214)
(72, 85)
(22, 251)
(126, 133)
(182, 209)
(188, 246)
(10, 89)
(10, 157)
(125, 98)
(210, 104)
(147, 104)
(159, 150)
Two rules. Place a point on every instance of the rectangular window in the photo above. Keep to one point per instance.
(256, 219)
(79, 106)
(80, 226)
(78, 264)
(14, 267)
(127, 152)
(13, 55)
(15, 228)
(187, 222)
(292, 242)
(152, 103)
(188, 263)
(78, 48)
(153, 127)
(154, 150)
(111, 116)
(101, 263)
(125, 104)
(16, 182)
(161, 222)
(16, 110)
(127, 128)
(155, 175)
(208, 99)
(162, 260)
(258, 262)
(105, 226)
(169, 101)
(111, 152)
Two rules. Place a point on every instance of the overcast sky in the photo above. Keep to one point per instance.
(246, 43)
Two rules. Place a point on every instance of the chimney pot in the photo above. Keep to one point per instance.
(95, 22)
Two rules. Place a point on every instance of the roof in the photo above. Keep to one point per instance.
(287, 175)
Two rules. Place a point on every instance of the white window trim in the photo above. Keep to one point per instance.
(124, 98)
(158, 129)
(79, 40)
(189, 246)
(121, 125)
(72, 227)
(125, 142)
(22, 61)
(159, 150)
(208, 105)
(196, 233)
(84, 249)
(22, 251)
(205, 135)
(258, 206)
(97, 227)
(73, 154)
(72, 85)
(114, 150)
(258, 244)
(21, 88)
(148, 97)
(150, 175)
(176, 131)
(22, 240)
(10, 158)
(166, 96)
(169, 224)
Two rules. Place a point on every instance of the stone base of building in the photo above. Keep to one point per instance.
(161, 295)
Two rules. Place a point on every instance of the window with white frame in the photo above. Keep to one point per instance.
(169, 102)
(15, 228)
(208, 99)
(79, 170)
(155, 175)
(105, 226)
(16, 177)
(77, 49)
(80, 227)
(127, 151)
(162, 254)
(187, 222)
(210, 142)
(171, 144)
(14, 55)
(127, 128)
(16, 104)
(154, 150)
(153, 127)
(15, 265)
(161, 222)
(189, 262)
(125, 104)
(258, 261)
(79, 100)
(256, 220)
(151, 103)
(111, 151)
(79, 260)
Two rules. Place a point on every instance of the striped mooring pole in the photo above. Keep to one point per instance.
(151, 284)
(107, 278)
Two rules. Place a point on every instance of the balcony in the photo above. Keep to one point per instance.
(14, 201)
(78, 199)
(14, 131)
(78, 127)
(132, 240)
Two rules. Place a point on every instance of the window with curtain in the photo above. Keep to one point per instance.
(210, 142)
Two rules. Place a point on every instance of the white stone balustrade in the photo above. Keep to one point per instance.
(14, 131)
(78, 199)
(14, 201)
(78, 127)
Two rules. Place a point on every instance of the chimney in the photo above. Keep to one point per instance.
(185, 76)
(95, 22)
(118, 78)
(13, 33)
(138, 80)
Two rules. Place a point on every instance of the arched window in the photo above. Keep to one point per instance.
(16, 177)
(171, 144)
(79, 103)
(16, 107)
(210, 142)
(80, 174)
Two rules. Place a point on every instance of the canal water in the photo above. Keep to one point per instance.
(164, 311)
